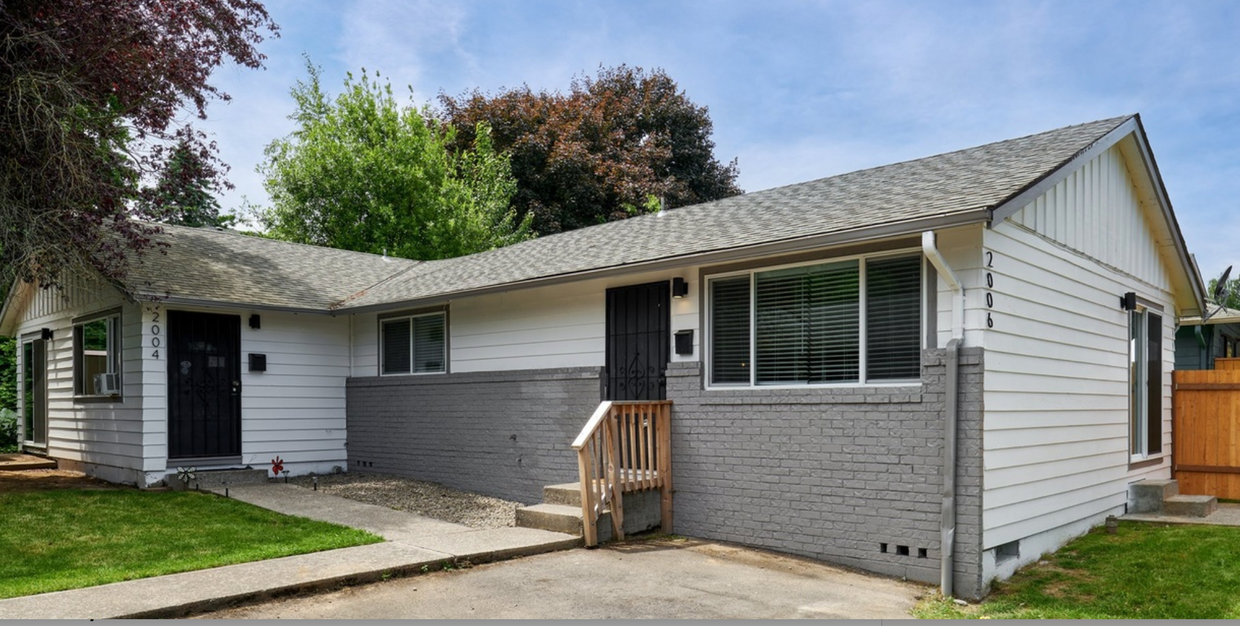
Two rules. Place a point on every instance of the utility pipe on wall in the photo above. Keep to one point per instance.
(951, 363)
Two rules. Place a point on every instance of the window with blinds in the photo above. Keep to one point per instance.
(893, 318)
(802, 325)
(413, 345)
(729, 323)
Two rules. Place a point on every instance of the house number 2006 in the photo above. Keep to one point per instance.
(156, 341)
(990, 284)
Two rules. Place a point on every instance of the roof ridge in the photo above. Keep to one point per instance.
(339, 304)
(1118, 120)
(703, 205)
(228, 232)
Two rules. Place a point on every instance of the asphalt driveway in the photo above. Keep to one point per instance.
(664, 578)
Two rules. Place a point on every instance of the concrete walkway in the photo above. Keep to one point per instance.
(413, 543)
(1227, 514)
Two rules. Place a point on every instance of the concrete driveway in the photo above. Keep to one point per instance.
(664, 578)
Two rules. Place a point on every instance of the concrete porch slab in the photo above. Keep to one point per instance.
(1227, 514)
(18, 462)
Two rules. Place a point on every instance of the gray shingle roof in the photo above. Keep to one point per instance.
(953, 183)
(213, 266)
(222, 266)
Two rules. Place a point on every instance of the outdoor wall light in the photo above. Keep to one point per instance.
(45, 334)
(1128, 301)
(680, 288)
(256, 322)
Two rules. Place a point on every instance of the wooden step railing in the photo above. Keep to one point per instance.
(625, 447)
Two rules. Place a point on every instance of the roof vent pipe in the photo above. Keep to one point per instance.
(951, 365)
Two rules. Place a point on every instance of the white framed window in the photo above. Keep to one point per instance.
(97, 355)
(854, 320)
(1145, 385)
(413, 344)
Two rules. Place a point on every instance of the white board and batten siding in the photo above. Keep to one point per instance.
(1056, 432)
(102, 439)
(555, 326)
(294, 410)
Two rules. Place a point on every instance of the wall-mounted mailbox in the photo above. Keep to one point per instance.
(258, 362)
(684, 342)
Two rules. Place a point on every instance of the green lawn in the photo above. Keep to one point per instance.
(1146, 571)
(53, 540)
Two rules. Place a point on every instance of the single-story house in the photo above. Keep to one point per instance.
(1198, 343)
(829, 348)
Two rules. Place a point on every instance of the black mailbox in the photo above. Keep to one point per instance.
(258, 362)
(684, 342)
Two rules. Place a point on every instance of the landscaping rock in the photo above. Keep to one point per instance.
(406, 494)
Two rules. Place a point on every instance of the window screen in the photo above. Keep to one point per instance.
(396, 346)
(729, 323)
(428, 344)
(416, 345)
(893, 318)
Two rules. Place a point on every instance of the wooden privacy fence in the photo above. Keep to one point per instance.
(1206, 430)
(625, 447)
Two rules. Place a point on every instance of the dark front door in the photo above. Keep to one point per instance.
(638, 342)
(204, 385)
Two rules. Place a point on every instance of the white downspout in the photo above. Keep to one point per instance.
(950, 412)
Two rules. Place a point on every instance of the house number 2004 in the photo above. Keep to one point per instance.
(990, 284)
(156, 340)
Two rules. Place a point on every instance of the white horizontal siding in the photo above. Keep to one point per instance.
(97, 435)
(295, 409)
(1056, 381)
(546, 327)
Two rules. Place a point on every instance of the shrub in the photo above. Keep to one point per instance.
(8, 431)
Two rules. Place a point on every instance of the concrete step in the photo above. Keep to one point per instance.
(558, 518)
(568, 494)
(1190, 506)
(1148, 495)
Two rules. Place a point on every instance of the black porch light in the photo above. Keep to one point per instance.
(680, 288)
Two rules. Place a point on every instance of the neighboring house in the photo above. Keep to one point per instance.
(805, 334)
(1198, 344)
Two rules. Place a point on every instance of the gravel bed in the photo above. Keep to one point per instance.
(429, 499)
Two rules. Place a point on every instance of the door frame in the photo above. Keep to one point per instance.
(174, 330)
(39, 416)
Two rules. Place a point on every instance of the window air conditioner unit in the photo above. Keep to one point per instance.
(108, 384)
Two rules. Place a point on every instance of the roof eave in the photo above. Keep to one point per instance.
(785, 246)
(6, 326)
(225, 304)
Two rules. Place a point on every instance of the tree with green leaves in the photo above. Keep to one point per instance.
(601, 151)
(1231, 294)
(365, 172)
(94, 96)
(185, 192)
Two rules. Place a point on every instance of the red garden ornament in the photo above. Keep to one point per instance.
(277, 466)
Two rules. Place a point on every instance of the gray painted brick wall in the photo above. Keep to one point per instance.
(824, 473)
(830, 473)
(504, 434)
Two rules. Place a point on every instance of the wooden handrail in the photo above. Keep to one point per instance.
(603, 410)
(624, 447)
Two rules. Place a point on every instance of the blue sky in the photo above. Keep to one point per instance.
(803, 90)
